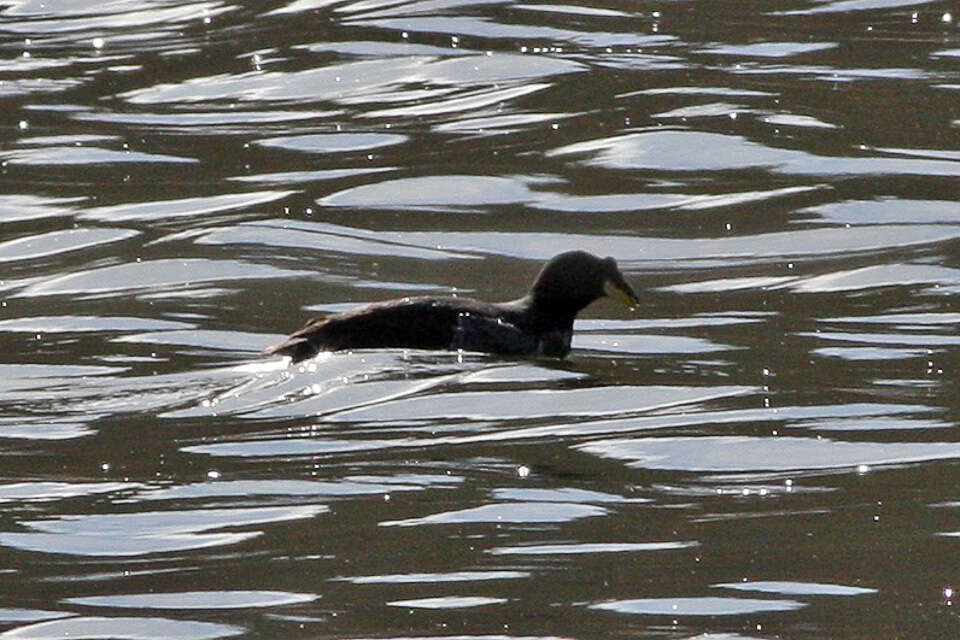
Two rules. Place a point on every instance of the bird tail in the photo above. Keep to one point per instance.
(296, 348)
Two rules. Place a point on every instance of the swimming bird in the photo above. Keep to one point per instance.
(539, 323)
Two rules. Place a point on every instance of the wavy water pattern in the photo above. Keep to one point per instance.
(764, 448)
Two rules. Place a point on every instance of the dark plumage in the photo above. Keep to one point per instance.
(539, 323)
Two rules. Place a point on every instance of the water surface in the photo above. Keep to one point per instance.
(764, 449)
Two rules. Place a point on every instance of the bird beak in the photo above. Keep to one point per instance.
(622, 292)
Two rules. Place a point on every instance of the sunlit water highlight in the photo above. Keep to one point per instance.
(765, 449)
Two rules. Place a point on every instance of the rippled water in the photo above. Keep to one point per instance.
(764, 450)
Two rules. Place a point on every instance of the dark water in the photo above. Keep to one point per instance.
(766, 449)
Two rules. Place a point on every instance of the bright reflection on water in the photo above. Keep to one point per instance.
(765, 449)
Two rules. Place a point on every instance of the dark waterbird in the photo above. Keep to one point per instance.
(539, 323)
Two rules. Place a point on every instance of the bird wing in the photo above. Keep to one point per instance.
(475, 332)
(417, 323)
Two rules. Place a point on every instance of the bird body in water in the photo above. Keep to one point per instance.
(539, 323)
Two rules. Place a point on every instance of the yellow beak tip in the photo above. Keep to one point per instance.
(628, 299)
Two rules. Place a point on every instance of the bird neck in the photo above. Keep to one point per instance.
(557, 312)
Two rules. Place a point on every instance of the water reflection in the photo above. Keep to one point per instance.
(797, 588)
(125, 628)
(196, 600)
(513, 512)
(134, 534)
(447, 602)
(183, 182)
(706, 606)
(738, 454)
